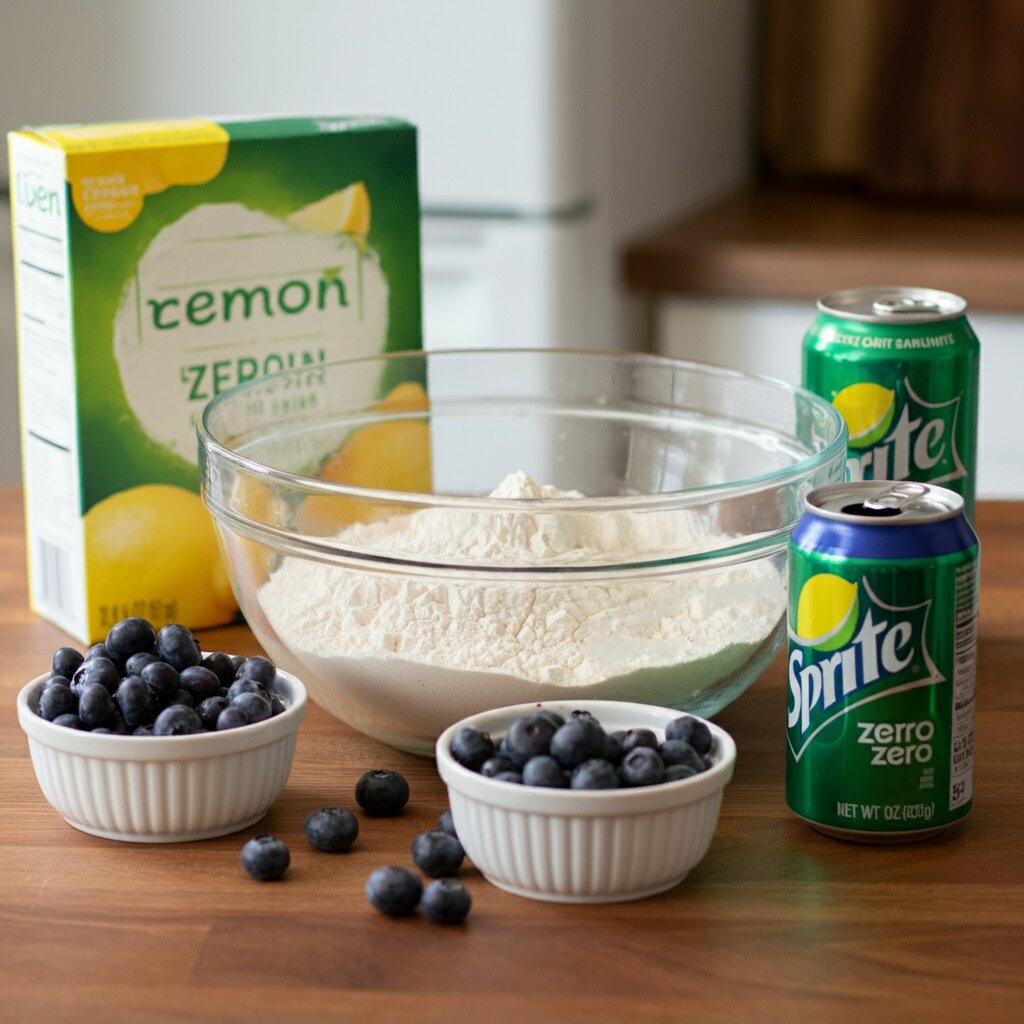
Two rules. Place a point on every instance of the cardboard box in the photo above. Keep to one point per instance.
(156, 265)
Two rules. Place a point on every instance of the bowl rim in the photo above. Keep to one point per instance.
(585, 803)
(670, 500)
(115, 747)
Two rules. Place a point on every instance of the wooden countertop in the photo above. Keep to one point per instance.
(787, 243)
(778, 923)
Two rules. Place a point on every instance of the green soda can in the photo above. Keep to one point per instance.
(883, 602)
(901, 365)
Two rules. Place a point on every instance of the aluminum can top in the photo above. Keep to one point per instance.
(893, 305)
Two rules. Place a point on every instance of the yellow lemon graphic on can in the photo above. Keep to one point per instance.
(868, 409)
(826, 612)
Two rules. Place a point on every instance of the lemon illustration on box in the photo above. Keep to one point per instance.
(157, 265)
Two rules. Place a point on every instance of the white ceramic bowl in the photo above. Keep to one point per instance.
(576, 846)
(163, 789)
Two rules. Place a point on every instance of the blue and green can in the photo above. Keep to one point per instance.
(901, 365)
(883, 605)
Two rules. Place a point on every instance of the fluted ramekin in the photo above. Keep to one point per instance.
(585, 846)
(163, 789)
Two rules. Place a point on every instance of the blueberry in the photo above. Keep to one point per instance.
(691, 729)
(514, 777)
(471, 747)
(642, 767)
(177, 720)
(70, 722)
(237, 660)
(382, 793)
(579, 740)
(258, 668)
(183, 697)
(135, 701)
(240, 686)
(98, 651)
(130, 636)
(209, 711)
(581, 713)
(221, 666)
(143, 730)
(332, 829)
(57, 700)
(265, 858)
(496, 765)
(231, 718)
(680, 752)
(200, 682)
(437, 853)
(178, 647)
(544, 770)
(446, 901)
(55, 680)
(394, 891)
(95, 705)
(529, 737)
(595, 773)
(137, 662)
(277, 705)
(552, 716)
(163, 682)
(96, 670)
(613, 746)
(255, 706)
(65, 662)
(675, 772)
(633, 738)
(446, 823)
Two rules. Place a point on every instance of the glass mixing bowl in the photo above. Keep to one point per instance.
(420, 537)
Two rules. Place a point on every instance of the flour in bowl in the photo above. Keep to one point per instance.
(439, 648)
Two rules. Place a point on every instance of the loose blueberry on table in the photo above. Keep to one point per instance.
(332, 829)
(266, 858)
(543, 749)
(382, 793)
(144, 682)
(394, 891)
(446, 901)
(438, 854)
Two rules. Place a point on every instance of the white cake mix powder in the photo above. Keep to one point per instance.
(375, 637)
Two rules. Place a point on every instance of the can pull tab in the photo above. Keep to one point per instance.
(904, 304)
(896, 498)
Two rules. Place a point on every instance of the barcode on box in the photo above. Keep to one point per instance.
(54, 576)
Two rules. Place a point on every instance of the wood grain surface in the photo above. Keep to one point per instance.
(778, 923)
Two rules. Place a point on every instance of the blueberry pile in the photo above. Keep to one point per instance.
(141, 682)
(546, 749)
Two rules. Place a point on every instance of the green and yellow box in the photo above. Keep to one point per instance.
(156, 265)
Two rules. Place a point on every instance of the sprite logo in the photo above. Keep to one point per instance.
(890, 441)
(848, 648)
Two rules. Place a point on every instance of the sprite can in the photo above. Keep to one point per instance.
(901, 365)
(883, 601)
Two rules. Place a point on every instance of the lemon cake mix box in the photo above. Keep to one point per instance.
(156, 265)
